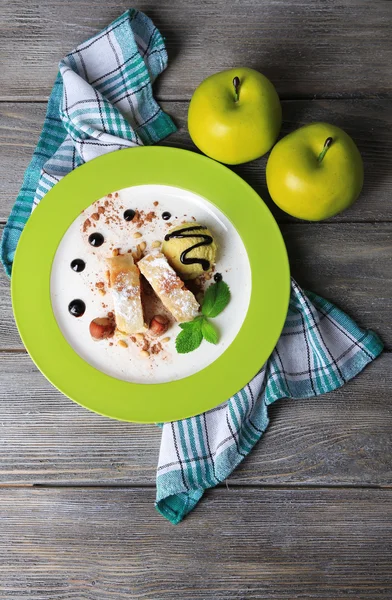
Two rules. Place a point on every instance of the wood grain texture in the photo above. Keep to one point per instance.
(307, 48)
(239, 544)
(367, 121)
(350, 264)
(343, 438)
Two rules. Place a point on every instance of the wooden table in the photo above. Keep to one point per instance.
(308, 514)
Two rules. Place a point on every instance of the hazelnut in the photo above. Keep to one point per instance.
(159, 325)
(102, 328)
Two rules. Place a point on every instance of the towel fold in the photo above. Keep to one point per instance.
(319, 349)
(102, 100)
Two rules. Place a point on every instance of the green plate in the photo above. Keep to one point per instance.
(149, 403)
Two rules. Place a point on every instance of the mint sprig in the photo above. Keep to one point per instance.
(215, 301)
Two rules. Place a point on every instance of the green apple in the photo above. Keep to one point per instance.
(235, 116)
(315, 172)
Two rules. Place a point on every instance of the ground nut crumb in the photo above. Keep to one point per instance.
(101, 210)
(146, 345)
(139, 337)
(133, 339)
(137, 235)
(123, 344)
(95, 216)
(144, 354)
(110, 315)
(165, 340)
(156, 203)
(100, 285)
(86, 225)
(116, 252)
(143, 246)
(102, 292)
(156, 244)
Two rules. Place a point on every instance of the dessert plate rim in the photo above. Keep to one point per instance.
(160, 402)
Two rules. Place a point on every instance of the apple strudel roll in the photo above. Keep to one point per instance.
(169, 287)
(124, 278)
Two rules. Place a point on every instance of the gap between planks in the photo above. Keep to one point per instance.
(345, 96)
(223, 485)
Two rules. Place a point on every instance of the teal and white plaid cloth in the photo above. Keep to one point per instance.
(319, 349)
(102, 101)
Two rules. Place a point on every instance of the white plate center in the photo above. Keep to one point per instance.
(109, 356)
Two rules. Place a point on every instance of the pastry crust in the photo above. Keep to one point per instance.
(169, 287)
(124, 278)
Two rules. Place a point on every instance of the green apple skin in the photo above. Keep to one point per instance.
(306, 188)
(235, 131)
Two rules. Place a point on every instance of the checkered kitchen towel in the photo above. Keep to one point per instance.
(102, 101)
(319, 349)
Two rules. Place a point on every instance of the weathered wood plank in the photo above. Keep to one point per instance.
(348, 264)
(307, 48)
(368, 121)
(249, 544)
(343, 438)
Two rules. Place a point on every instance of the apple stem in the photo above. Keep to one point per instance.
(327, 145)
(236, 83)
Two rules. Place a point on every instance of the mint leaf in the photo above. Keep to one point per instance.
(190, 337)
(191, 324)
(209, 332)
(186, 325)
(216, 299)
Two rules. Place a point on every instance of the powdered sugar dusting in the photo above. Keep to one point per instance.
(169, 287)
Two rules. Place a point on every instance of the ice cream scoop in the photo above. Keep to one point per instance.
(190, 249)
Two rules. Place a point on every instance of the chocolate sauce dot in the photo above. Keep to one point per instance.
(166, 216)
(218, 277)
(76, 308)
(129, 214)
(78, 265)
(96, 239)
